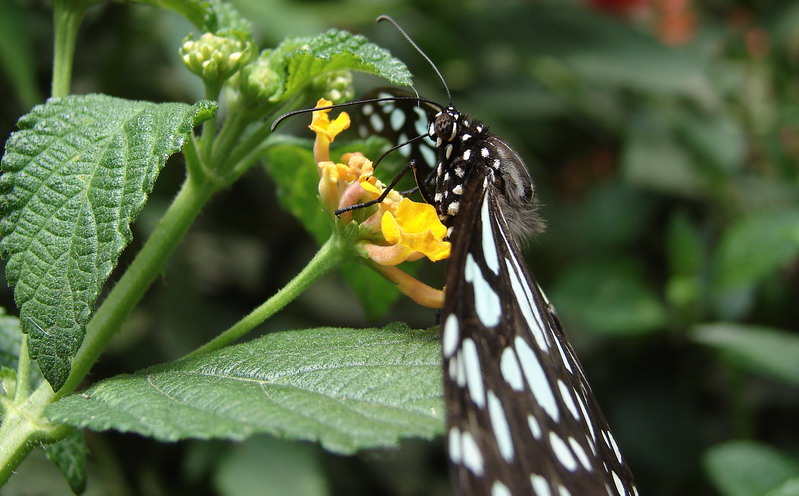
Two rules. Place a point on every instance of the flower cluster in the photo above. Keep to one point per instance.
(394, 230)
(214, 57)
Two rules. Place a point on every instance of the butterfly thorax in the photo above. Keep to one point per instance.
(462, 150)
(468, 152)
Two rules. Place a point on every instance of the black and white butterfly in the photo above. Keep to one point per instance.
(521, 417)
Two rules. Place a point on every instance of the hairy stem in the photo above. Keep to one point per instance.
(66, 18)
(131, 287)
(332, 253)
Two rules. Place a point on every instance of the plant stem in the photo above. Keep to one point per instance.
(137, 278)
(332, 253)
(67, 16)
(22, 423)
(23, 371)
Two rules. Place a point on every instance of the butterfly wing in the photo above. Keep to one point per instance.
(521, 416)
(399, 121)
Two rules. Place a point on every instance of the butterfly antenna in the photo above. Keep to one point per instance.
(414, 45)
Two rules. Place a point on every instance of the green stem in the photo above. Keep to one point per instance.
(67, 16)
(22, 425)
(24, 422)
(23, 371)
(229, 135)
(137, 278)
(206, 141)
(332, 253)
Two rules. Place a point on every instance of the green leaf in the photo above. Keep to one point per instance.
(789, 488)
(348, 389)
(610, 298)
(76, 174)
(745, 468)
(303, 59)
(686, 255)
(214, 16)
(653, 158)
(10, 343)
(742, 259)
(10, 340)
(69, 455)
(767, 351)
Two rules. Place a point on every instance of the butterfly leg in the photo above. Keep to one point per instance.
(389, 188)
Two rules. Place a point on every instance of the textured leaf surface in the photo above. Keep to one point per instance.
(764, 350)
(303, 59)
(745, 468)
(345, 388)
(69, 455)
(76, 174)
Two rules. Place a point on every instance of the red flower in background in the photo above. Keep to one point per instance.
(673, 21)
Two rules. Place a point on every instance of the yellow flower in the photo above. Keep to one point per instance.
(416, 228)
(326, 130)
(396, 230)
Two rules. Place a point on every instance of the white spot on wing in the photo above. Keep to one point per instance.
(472, 458)
(428, 154)
(586, 417)
(453, 368)
(421, 121)
(617, 481)
(536, 378)
(566, 360)
(467, 154)
(580, 452)
(540, 485)
(614, 446)
(535, 427)
(489, 245)
(500, 489)
(500, 426)
(460, 377)
(486, 300)
(377, 122)
(566, 396)
(474, 376)
(454, 444)
(397, 118)
(562, 452)
(525, 300)
(451, 335)
(511, 372)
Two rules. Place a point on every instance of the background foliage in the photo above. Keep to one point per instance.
(663, 138)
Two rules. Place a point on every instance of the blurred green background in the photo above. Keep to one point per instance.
(663, 137)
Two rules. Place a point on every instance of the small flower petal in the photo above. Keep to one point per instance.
(417, 227)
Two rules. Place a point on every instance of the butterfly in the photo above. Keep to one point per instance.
(521, 416)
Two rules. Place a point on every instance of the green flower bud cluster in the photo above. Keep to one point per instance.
(335, 86)
(259, 82)
(216, 58)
